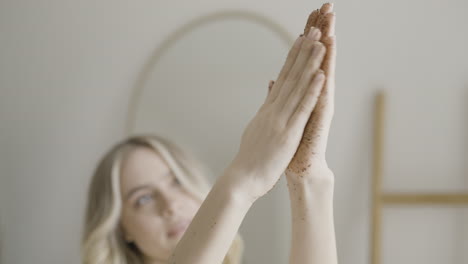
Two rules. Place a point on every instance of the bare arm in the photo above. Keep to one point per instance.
(267, 145)
(310, 181)
(313, 232)
(212, 230)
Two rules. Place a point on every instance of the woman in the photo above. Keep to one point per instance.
(149, 201)
(133, 178)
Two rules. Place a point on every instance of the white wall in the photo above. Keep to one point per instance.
(67, 69)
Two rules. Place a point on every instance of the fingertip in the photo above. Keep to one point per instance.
(319, 35)
(321, 48)
(270, 84)
(327, 7)
(331, 17)
(320, 75)
(311, 21)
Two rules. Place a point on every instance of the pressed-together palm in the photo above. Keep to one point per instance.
(309, 160)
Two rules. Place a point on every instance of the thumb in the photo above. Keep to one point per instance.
(270, 85)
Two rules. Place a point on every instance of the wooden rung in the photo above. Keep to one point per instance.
(426, 198)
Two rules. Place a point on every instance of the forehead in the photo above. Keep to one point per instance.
(142, 165)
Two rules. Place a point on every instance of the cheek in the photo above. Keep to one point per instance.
(143, 225)
(151, 231)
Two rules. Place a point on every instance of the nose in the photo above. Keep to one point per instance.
(168, 204)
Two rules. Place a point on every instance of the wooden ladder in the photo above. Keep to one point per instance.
(380, 199)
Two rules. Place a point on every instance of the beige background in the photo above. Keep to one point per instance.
(67, 70)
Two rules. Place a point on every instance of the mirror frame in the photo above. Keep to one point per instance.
(178, 34)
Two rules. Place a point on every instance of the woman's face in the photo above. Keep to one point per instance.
(156, 208)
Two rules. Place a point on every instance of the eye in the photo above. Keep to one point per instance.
(144, 199)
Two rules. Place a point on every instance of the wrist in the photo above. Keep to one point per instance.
(232, 185)
(303, 194)
(318, 182)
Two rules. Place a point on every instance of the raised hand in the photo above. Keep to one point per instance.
(272, 137)
(309, 161)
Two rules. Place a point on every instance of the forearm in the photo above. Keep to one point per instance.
(214, 227)
(313, 232)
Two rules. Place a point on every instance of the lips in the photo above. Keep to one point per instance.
(177, 229)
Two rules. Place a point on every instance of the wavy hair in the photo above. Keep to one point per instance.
(102, 240)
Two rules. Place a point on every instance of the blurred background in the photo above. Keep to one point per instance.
(77, 76)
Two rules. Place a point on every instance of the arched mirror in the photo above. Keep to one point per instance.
(200, 89)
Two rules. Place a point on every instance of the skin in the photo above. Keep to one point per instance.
(273, 135)
(309, 161)
(310, 180)
(268, 146)
(148, 213)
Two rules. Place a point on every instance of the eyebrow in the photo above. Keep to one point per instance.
(144, 186)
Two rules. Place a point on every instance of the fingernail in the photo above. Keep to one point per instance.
(313, 32)
(321, 74)
(317, 49)
(316, 34)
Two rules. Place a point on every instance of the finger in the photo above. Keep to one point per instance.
(311, 21)
(270, 85)
(329, 62)
(327, 7)
(324, 11)
(316, 35)
(291, 58)
(313, 65)
(320, 19)
(318, 127)
(289, 84)
(308, 102)
(326, 100)
(328, 25)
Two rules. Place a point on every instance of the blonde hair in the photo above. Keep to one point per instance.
(103, 241)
